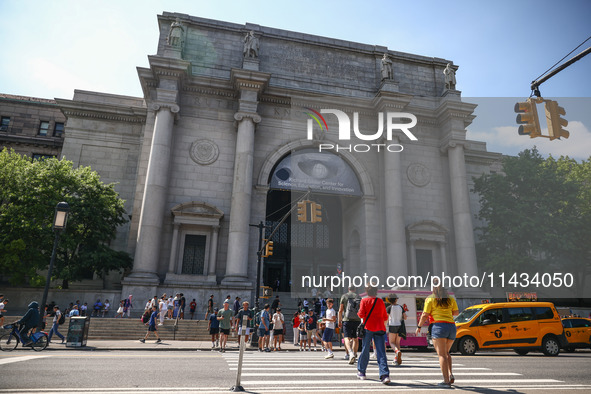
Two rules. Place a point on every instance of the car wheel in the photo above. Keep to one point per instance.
(550, 346)
(521, 352)
(467, 346)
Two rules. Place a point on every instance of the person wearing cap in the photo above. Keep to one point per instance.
(278, 322)
(396, 315)
(214, 328)
(225, 317)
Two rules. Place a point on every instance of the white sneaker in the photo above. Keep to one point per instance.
(329, 355)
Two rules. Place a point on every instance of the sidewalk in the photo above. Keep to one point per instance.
(168, 345)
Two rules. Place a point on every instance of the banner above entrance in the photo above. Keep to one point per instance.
(319, 172)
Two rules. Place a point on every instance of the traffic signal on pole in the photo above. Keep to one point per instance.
(528, 118)
(268, 249)
(555, 121)
(303, 211)
(316, 212)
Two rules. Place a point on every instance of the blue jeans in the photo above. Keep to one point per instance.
(380, 349)
(54, 330)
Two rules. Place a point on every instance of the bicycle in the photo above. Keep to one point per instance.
(9, 342)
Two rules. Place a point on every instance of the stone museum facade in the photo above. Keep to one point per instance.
(235, 127)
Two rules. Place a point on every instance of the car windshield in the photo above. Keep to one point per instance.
(467, 315)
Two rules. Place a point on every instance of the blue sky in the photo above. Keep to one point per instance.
(57, 46)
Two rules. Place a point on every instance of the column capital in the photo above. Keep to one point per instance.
(172, 107)
(447, 144)
(240, 115)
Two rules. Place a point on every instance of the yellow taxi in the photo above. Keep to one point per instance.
(522, 326)
(578, 333)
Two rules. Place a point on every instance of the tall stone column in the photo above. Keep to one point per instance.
(396, 258)
(462, 217)
(213, 250)
(147, 251)
(239, 232)
(173, 248)
(249, 83)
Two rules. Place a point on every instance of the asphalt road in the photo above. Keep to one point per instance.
(205, 371)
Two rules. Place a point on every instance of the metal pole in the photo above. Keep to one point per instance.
(237, 386)
(259, 260)
(46, 291)
(535, 84)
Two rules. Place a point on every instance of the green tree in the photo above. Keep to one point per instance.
(537, 216)
(29, 192)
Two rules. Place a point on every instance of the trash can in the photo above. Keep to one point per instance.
(77, 331)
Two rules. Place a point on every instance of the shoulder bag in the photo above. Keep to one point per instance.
(361, 326)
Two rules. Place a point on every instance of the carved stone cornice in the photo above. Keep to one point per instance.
(79, 109)
(249, 80)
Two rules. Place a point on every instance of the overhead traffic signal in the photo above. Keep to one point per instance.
(555, 121)
(303, 211)
(315, 212)
(268, 249)
(528, 118)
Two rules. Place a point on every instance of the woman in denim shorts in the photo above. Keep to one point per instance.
(442, 308)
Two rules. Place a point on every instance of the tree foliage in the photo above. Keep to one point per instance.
(29, 192)
(537, 216)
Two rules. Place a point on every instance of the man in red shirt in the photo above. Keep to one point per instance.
(375, 330)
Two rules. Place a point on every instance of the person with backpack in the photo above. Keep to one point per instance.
(396, 317)
(152, 325)
(58, 319)
(349, 321)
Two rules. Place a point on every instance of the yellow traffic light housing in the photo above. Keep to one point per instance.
(555, 121)
(303, 211)
(315, 213)
(527, 117)
(268, 249)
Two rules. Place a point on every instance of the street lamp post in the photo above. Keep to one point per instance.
(60, 220)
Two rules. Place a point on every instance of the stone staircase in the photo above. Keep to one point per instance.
(132, 328)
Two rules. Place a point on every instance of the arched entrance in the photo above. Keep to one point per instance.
(306, 248)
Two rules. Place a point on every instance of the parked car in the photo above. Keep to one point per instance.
(578, 333)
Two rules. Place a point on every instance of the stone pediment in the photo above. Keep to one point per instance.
(197, 209)
(426, 230)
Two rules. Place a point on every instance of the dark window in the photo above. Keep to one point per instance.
(194, 255)
(579, 323)
(520, 314)
(543, 312)
(43, 128)
(424, 262)
(39, 156)
(567, 323)
(493, 315)
(4, 122)
(58, 129)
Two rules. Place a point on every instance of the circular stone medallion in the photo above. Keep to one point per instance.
(418, 175)
(204, 152)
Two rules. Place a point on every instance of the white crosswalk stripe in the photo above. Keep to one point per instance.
(291, 371)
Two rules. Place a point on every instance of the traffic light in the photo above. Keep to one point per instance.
(554, 120)
(315, 212)
(268, 249)
(303, 211)
(528, 118)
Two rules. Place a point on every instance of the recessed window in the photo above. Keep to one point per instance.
(43, 128)
(424, 261)
(58, 129)
(4, 122)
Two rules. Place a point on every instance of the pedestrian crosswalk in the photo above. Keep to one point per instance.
(296, 371)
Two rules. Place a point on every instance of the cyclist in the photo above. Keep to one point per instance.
(29, 320)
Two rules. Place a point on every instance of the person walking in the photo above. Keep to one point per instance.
(349, 321)
(264, 329)
(329, 320)
(396, 315)
(209, 307)
(372, 312)
(127, 306)
(442, 308)
(225, 317)
(238, 321)
(152, 326)
(54, 328)
(213, 325)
